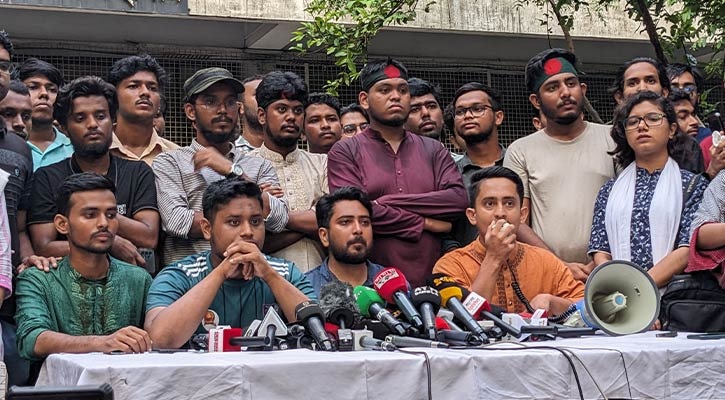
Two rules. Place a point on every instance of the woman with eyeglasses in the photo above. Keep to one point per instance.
(644, 214)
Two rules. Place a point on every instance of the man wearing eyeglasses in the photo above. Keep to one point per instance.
(354, 120)
(211, 103)
(563, 165)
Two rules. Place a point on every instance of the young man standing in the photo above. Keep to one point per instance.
(182, 175)
(322, 123)
(252, 135)
(139, 81)
(231, 284)
(47, 143)
(282, 97)
(563, 165)
(412, 180)
(85, 108)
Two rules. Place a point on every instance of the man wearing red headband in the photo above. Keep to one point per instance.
(412, 180)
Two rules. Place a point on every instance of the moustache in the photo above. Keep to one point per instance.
(222, 119)
(356, 240)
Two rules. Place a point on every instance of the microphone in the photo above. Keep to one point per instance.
(272, 326)
(364, 340)
(404, 341)
(478, 305)
(393, 287)
(372, 305)
(338, 305)
(451, 295)
(428, 301)
(221, 339)
(310, 315)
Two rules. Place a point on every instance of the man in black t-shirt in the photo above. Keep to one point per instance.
(85, 109)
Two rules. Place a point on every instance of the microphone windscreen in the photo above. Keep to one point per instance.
(389, 281)
(426, 294)
(441, 324)
(366, 297)
(307, 310)
(337, 301)
(341, 314)
(447, 287)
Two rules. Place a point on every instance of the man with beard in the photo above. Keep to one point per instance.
(412, 180)
(85, 108)
(322, 122)
(91, 302)
(563, 165)
(139, 81)
(252, 133)
(182, 175)
(282, 97)
(346, 230)
(426, 114)
(16, 109)
(477, 114)
(47, 143)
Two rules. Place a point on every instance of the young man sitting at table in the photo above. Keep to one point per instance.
(495, 264)
(233, 282)
(91, 301)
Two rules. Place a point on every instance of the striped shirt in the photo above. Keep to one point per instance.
(180, 190)
(6, 268)
(237, 302)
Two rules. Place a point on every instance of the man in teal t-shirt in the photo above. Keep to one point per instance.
(233, 282)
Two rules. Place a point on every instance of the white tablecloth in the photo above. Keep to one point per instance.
(658, 368)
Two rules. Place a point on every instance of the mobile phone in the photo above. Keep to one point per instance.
(707, 336)
(667, 334)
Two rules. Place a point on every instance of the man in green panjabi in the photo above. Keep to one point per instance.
(91, 302)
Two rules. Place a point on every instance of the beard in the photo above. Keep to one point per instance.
(283, 142)
(251, 119)
(478, 137)
(218, 138)
(344, 256)
(567, 119)
(93, 249)
(394, 122)
(91, 151)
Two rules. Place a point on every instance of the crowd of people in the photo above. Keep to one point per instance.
(114, 238)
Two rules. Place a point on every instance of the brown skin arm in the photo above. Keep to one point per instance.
(278, 241)
(129, 340)
(142, 230)
(711, 236)
(44, 240)
(674, 263)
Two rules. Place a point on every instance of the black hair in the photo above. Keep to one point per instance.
(7, 43)
(18, 87)
(623, 152)
(449, 116)
(84, 86)
(677, 95)
(324, 98)
(324, 207)
(35, 67)
(81, 182)
(419, 87)
(618, 84)
(493, 94)
(490, 173)
(131, 65)
(354, 107)
(220, 193)
(535, 66)
(677, 69)
(375, 66)
(278, 85)
(256, 77)
(163, 106)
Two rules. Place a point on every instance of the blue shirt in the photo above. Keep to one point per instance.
(59, 150)
(640, 235)
(237, 303)
(322, 275)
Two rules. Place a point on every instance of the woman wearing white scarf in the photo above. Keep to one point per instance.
(644, 214)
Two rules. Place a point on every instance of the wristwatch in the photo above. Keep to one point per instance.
(235, 171)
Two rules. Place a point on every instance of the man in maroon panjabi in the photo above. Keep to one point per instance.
(414, 184)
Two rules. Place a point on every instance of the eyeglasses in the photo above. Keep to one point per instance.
(214, 104)
(650, 120)
(477, 110)
(350, 129)
(7, 66)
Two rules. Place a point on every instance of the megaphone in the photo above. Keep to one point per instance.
(620, 298)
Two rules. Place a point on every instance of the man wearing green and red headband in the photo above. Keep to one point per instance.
(563, 165)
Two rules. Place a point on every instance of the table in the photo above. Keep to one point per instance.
(658, 368)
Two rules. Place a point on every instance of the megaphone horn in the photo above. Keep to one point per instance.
(620, 298)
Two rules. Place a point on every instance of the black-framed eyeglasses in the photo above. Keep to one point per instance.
(7, 66)
(214, 104)
(350, 129)
(477, 110)
(650, 120)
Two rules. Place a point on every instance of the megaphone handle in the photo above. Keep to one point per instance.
(519, 293)
(558, 319)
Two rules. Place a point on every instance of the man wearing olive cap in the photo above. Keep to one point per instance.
(563, 165)
(211, 104)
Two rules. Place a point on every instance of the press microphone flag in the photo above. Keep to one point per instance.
(372, 305)
(393, 288)
(428, 301)
(451, 295)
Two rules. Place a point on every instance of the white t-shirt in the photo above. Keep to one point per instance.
(562, 179)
